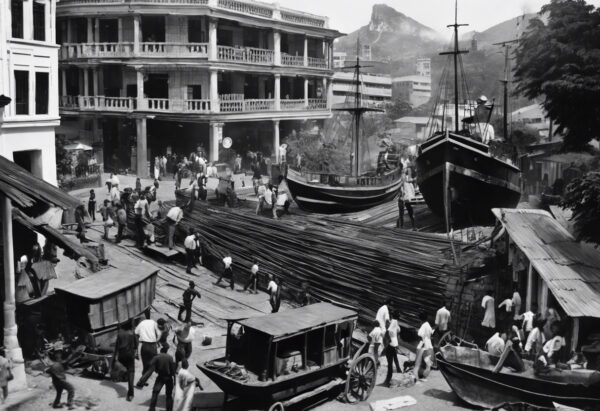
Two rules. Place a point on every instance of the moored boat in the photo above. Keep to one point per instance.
(471, 374)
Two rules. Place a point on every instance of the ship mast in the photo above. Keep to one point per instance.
(506, 45)
(455, 52)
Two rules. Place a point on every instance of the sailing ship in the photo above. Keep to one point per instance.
(459, 176)
(329, 193)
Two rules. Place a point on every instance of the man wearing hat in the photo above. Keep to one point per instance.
(188, 297)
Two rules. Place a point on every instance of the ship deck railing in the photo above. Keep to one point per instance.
(352, 181)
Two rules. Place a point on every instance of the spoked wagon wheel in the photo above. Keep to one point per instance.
(361, 378)
(276, 407)
(446, 339)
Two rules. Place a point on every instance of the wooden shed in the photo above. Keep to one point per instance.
(97, 304)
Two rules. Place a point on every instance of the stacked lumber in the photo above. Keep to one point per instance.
(343, 262)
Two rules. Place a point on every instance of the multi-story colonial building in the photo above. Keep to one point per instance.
(375, 89)
(415, 89)
(140, 78)
(29, 77)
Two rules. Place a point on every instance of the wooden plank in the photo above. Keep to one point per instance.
(164, 251)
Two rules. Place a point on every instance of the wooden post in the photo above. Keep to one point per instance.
(529, 286)
(305, 352)
(575, 336)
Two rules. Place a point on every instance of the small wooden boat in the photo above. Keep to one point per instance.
(279, 359)
(470, 372)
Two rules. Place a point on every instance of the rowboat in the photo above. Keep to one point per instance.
(472, 374)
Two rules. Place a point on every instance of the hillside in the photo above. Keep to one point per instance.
(507, 30)
(392, 35)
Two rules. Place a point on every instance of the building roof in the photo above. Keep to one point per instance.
(286, 323)
(108, 282)
(413, 120)
(570, 269)
(25, 189)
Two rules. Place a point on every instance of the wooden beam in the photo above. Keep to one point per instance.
(529, 286)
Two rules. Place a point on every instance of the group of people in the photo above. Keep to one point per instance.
(385, 336)
(539, 336)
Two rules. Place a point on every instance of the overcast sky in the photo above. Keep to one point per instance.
(348, 15)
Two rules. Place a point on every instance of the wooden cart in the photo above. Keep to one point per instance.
(97, 304)
(290, 356)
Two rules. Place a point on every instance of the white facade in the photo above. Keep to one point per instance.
(339, 59)
(415, 89)
(375, 89)
(29, 76)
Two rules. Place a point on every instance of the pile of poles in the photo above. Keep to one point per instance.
(342, 262)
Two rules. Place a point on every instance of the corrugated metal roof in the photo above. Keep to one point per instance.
(570, 269)
(290, 322)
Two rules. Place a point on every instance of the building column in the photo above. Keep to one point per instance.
(330, 93)
(276, 142)
(216, 136)
(214, 91)
(69, 35)
(86, 82)
(11, 342)
(141, 103)
(277, 91)
(330, 54)
(529, 287)
(120, 30)
(277, 47)
(212, 39)
(95, 81)
(90, 30)
(305, 51)
(97, 30)
(141, 148)
(136, 33)
(305, 91)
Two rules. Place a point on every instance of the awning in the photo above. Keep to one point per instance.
(571, 269)
(26, 190)
(72, 248)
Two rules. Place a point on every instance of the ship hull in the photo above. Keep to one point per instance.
(476, 181)
(327, 199)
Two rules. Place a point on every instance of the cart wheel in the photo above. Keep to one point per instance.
(276, 407)
(361, 378)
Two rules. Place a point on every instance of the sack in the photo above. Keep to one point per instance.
(109, 222)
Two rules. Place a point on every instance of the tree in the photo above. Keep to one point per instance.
(559, 63)
(397, 108)
(582, 196)
(63, 157)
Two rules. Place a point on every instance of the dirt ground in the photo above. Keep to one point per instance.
(216, 304)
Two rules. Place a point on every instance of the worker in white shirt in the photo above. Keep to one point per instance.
(424, 348)
(383, 314)
(516, 302)
(148, 334)
(487, 303)
(552, 347)
(535, 339)
(376, 338)
(266, 199)
(253, 279)
(227, 271)
(174, 216)
(189, 243)
(442, 318)
(528, 320)
(141, 210)
(495, 344)
(115, 194)
(274, 290)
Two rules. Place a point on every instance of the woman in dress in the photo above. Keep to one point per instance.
(185, 383)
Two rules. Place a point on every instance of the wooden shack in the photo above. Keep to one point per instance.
(97, 304)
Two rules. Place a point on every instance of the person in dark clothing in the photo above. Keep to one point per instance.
(121, 222)
(80, 220)
(141, 210)
(305, 297)
(138, 185)
(60, 383)
(188, 298)
(92, 205)
(256, 176)
(125, 352)
(164, 366)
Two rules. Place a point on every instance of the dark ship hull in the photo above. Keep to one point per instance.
(476, 182)
(341, 197)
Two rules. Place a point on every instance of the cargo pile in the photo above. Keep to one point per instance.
(343, 262)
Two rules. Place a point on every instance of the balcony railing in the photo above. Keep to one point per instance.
(289, 60)
(249, 8)
(317, 62)
(245, 55)
(174, 49)
(94, 50)
(227, 104)
(292, 105)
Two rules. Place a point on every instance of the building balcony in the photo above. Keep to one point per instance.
(227, 104)
(245, 55)
(263, 11)
(73, 51)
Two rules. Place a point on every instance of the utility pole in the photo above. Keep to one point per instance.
(505, 81)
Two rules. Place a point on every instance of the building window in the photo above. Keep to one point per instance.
(22, 92)
(16, 10)
(41, 93)
(39, 21)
